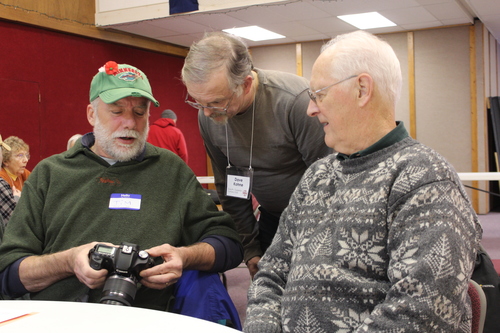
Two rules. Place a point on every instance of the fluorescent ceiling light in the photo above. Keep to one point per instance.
(367, 20)
(254, 33)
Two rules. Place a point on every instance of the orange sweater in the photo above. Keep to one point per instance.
(19, 182)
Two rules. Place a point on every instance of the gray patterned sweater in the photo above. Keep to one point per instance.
(380, 243)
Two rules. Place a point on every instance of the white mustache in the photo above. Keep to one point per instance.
(126, 134)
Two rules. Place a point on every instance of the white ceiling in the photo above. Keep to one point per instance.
(299, 20)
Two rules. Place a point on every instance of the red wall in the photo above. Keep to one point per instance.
(45, 78)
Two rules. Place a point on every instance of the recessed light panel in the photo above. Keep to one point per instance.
(367, 20)
(254, 33)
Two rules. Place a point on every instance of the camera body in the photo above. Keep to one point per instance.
(124, 263)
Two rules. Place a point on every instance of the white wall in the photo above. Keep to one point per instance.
(447, 101)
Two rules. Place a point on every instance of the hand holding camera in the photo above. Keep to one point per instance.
(124, 263)
(165, 274)
(199, 256)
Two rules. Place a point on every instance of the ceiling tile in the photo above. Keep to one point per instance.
(181, 25)
(362, 6)
(306, 20)
(259, 15)
(433, 2)
(146, 29)
(408, 15)
(217, 21)
(300, 11)
(485, 7)
(446, 11)
(327, 25)
(291, 29)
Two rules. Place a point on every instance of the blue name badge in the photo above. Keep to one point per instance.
(125, 201)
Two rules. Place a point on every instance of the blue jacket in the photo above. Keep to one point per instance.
(202, 295)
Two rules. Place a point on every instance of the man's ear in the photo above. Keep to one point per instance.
(90, 115)
(247, 84)
(365, 88)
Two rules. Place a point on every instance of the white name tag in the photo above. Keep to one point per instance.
(125, 201)
(238, 186)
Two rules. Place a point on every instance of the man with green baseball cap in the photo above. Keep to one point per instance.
(116, 81)
(114, 187)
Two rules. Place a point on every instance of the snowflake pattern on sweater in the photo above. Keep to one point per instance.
(380, 243)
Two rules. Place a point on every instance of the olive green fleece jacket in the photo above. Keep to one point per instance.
(65, 203)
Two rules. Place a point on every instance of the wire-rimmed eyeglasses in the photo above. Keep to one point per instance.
(218, 109)
(22, 156)
(313, 95)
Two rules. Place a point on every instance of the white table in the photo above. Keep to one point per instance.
(59, 317)
(463, 176)
(206, 179)
(479, 175)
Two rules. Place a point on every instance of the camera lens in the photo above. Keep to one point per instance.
(119, 290)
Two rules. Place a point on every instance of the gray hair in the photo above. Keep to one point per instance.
(16, 144)
(169, 114)
(95, 104)
(216, 51)
(361, 52)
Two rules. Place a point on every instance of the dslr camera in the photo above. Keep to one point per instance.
(124, 263)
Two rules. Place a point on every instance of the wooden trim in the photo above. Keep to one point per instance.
(482, 135)
(298, 57)
(473, 113)
(497, 64)
(411, 85)
(210, 172)
(9, 13)
(484, 197)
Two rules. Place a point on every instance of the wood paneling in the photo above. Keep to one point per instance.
(298, 57)
(473, 113)
(77, 11)
(61, 67)
(77, 17)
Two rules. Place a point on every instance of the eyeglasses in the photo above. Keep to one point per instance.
(313, 95)
(22, 156)
(213, 108)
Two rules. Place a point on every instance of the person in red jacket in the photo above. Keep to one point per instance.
(164, 133)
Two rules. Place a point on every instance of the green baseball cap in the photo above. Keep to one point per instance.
(116, 81)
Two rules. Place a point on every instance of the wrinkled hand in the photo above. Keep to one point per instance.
(252, 266)
(81, 266)
(167, 273)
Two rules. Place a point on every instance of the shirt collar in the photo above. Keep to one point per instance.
(397, 134)
(11, 175)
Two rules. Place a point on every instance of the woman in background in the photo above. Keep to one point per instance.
(14, 164)
(7, 202)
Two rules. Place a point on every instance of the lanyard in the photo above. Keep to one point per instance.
(251, 139)
(238, 180)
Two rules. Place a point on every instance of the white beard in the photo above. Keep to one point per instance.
(118, 151)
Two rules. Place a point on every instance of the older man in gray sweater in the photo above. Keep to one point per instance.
(379, 238)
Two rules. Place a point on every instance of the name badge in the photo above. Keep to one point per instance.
(125, 201)
(239, 182)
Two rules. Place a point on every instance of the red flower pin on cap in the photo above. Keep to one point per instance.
(114, 82)
(110, 68)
